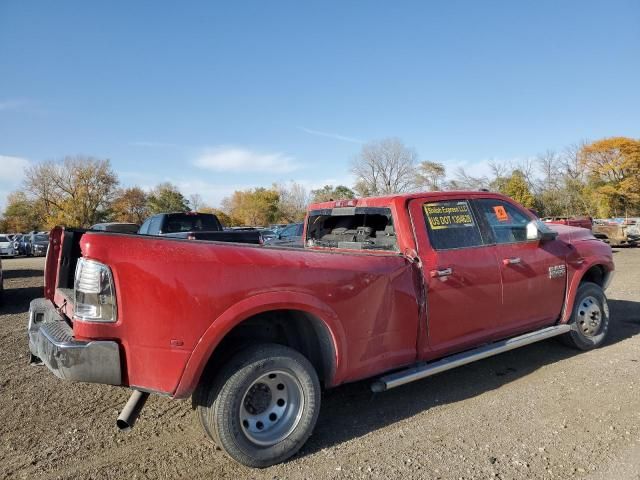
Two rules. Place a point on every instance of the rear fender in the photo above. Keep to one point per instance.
(261, 303)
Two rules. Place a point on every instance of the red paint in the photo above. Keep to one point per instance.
(177, 299)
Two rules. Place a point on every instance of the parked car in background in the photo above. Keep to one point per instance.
(38, 244)
(276, 227)
(267, 234)
(578, 221)
(6, 246)
(21, 244)
(116, 227)
(617, 233)
(1, 283)
(196, 226)
(289, 236)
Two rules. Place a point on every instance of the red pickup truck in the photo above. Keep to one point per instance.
(394, 289)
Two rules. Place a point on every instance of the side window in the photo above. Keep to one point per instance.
(451, 225)
(154, 225)
(289, 231)
(145, 227)
(509, 224)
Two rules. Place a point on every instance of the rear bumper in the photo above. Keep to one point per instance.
(51, 340)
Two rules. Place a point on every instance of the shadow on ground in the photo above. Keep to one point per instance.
(27, 273)
(352, 410)
(16, 300)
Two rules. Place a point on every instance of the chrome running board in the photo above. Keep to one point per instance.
(423, 370)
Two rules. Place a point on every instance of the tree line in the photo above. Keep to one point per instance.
(81, 191)
(600, 179)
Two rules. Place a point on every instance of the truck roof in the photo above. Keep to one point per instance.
(387, 200)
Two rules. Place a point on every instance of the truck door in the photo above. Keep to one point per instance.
(460, 273)
(533, 274)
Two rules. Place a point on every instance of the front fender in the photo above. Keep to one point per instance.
(580, 267)
(254, 305)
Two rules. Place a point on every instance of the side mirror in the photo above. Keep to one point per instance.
(537, 230)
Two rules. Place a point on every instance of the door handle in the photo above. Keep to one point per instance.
(445, 272)
(511, 261)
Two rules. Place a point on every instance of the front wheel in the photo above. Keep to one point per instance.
(590, 318)
(262, 406)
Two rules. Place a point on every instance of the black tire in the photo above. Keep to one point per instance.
(248, 387)
(590, 318)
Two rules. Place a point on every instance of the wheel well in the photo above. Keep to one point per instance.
(595, 274)
(293, 328)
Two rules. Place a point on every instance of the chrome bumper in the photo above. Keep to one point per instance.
(51, 340)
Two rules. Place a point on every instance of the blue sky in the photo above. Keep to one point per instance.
(216, 96)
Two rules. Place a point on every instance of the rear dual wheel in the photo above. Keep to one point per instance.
(262, 406)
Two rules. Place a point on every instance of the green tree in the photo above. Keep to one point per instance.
(329, 193)
(166, 198)
(516, 187)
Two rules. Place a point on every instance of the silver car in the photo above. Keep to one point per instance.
(6, 246)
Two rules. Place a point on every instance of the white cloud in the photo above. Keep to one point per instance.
(335, 136)
(12, 168)
(11, 175)
(238, 159)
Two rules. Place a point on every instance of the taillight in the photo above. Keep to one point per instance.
(95, 298)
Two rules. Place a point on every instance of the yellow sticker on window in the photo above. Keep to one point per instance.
(450, 214)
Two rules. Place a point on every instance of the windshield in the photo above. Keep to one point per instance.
(40, 238)
(3, 238)
(191, 223)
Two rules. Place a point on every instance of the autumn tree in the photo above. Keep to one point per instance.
(253, 207)
(225, 219)
(430, 176)
(613, 167)
(22, 214)
(330, 192)
(166, 198)
(130, 205)
(76, 191)
(384, 167)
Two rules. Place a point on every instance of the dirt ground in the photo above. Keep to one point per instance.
(544, 411)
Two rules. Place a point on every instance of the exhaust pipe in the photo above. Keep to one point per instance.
(131, 410)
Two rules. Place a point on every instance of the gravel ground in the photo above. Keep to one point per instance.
(544, 411)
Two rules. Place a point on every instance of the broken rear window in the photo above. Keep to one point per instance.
(358, 228)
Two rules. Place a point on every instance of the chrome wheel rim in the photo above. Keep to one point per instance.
(589, 316)
(271, 408)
